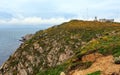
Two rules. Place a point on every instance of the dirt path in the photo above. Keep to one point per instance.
(105, 64)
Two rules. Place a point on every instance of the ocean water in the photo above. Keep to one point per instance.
(9, 39)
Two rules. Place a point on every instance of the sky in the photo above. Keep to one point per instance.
(36, 12)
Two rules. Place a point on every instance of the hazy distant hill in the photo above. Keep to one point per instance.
(72, 48)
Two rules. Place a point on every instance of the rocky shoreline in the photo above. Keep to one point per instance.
(26, 37)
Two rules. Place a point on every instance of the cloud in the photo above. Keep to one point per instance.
(33, 21)
(60, 8)
(55, 11)
(21, 20)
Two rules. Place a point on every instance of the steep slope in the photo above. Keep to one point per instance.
(104, 52)
(61, 48)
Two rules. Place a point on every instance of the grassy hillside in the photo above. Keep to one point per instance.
(98, 37)
(61, 48)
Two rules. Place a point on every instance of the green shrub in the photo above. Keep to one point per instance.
(53, 71)
(102, 50)
(95, 73)
(116, 51)
(80, 65)
(117, 60)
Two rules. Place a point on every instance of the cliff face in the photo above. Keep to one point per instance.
(60, 45)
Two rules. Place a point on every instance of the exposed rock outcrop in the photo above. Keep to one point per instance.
(27, 37)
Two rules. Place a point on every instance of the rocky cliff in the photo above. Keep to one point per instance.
(61, 48)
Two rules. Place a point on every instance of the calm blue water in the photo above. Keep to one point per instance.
(9, 39)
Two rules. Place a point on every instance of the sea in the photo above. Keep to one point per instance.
(10, 36)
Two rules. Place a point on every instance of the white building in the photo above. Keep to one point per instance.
(106, 20)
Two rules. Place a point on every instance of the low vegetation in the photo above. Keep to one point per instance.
(95, 73)
(117, 60)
